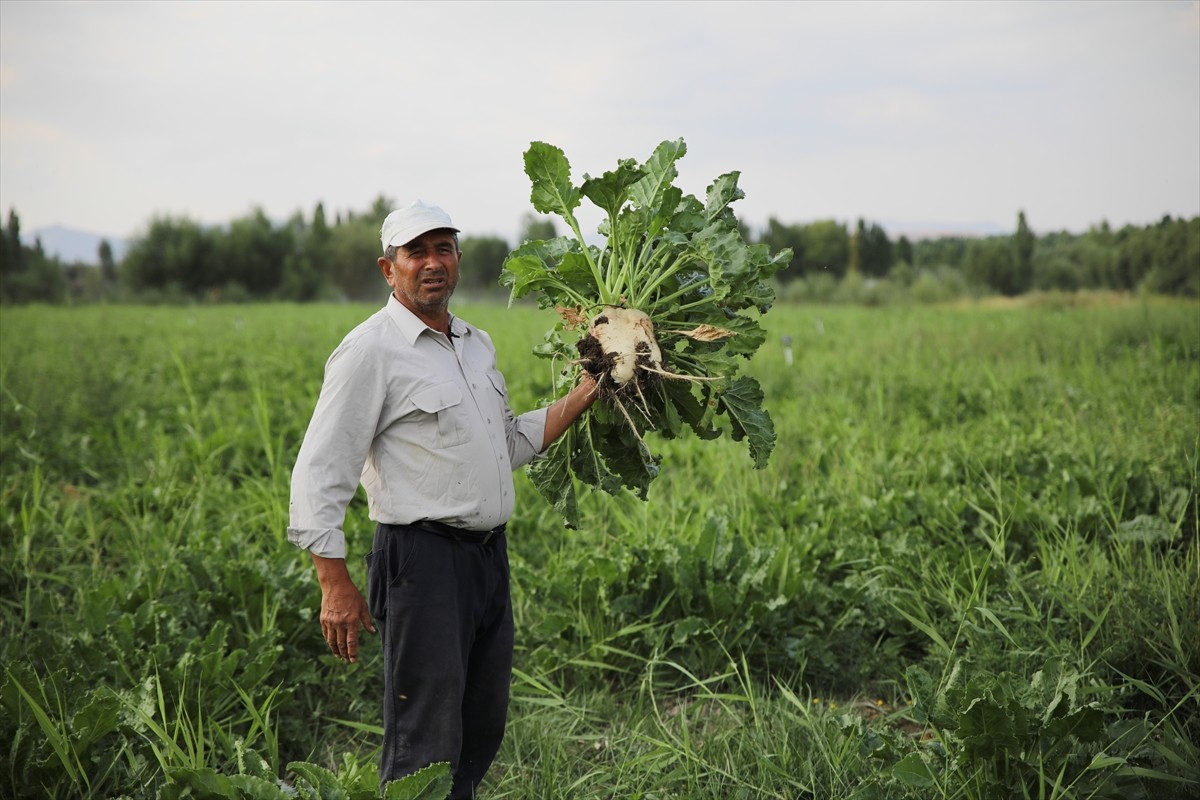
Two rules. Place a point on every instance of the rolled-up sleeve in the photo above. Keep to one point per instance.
(329, 464)
(526, 445)
(523, 434)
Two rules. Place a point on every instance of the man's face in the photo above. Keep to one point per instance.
(425, 272)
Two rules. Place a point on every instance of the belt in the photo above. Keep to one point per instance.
(457, 534)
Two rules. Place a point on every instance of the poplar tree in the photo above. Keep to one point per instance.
(1024, 242)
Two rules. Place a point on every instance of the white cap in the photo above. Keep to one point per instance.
(405, 224)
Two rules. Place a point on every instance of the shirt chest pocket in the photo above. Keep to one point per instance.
(440, 420)
(497, 381)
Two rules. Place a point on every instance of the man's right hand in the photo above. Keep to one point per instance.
(343, 608)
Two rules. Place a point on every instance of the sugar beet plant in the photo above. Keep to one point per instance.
(659, 314)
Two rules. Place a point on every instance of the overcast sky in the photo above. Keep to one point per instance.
(916, 115)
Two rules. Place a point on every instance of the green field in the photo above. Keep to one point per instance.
(971, 569)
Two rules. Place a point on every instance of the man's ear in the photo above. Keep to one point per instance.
(386, 267)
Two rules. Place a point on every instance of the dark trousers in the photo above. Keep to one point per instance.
(443, 612)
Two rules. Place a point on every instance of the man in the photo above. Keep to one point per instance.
(414, 408)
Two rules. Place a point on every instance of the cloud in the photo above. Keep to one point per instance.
(937, 110)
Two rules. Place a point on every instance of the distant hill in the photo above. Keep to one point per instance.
(72, 246)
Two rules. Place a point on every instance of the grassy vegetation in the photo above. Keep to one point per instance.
(971, 569)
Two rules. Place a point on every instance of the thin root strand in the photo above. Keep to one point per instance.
(677, 377)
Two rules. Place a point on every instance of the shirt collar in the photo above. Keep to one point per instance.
(411, 326)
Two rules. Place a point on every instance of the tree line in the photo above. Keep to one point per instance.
(1163, 258)
(317, 258)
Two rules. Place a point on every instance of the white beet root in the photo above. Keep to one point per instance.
(622, 353)
(626, 335)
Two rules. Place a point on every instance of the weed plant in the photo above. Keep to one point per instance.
(971, 569)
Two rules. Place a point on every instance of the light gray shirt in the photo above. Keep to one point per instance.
(421, 420)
